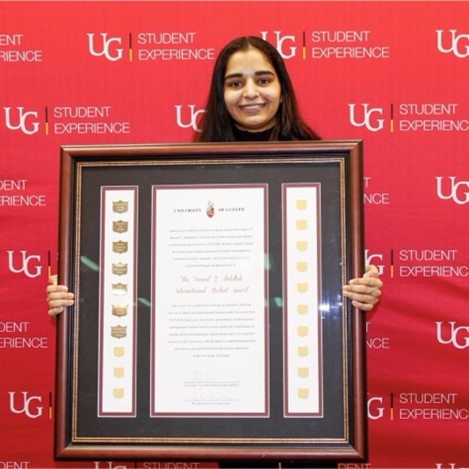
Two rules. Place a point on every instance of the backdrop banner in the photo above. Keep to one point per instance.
(393, 74)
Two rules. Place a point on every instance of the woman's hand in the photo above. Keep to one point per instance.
(364, 291)
(58, 297)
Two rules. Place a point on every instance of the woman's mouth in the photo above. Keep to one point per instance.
(252, 107)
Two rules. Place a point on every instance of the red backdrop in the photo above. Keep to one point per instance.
(391, 73)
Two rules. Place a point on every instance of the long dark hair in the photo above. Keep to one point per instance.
(216, 123)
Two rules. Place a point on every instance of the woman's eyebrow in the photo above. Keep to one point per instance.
(256, 73)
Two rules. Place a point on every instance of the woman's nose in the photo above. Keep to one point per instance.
(250, 89)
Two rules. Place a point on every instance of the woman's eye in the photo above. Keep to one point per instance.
(263, 81)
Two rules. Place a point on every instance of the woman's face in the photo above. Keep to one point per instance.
(251, 91)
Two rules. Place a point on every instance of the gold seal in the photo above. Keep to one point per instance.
(120, 206)
(119, 288)
(301, 204)
(302, 245)
(118, 393)
(118, 371)
(120, 247)
(301, 266)
(301, 225)
(119, 310)
(302, 287)
(118, 332)
(119, 268)
(120, 226)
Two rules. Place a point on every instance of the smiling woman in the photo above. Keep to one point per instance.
(252, 91)
(251, 97)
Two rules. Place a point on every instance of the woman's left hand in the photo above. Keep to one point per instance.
(364, 291)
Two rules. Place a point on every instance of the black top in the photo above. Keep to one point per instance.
(245, 136)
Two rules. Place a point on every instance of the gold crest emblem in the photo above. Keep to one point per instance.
(302, 287)
(302, 245)
(118, 393)
(120, 206)
(301, 204)
(118, 371)
(119, 310)
(301, 224)
(119, 268)
(120, 246)
(119, 288)
(120, 226)
(118, 332)
(302, 309)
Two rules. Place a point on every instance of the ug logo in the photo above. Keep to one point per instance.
(370, 117)
(193, 117)
(25, 404)
(107, 47)
(374, 259)
(26, 121)
(454, 43)
(458, 336)
(458, 192)
(29, 265)
(375, 408)
(281, 42)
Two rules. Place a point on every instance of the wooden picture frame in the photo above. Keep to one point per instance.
(209, 321)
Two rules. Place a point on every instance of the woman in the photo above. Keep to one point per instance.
(251, 98)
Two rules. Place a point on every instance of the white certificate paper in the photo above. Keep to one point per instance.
(209, 301)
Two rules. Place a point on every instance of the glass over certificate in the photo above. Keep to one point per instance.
(211, 322)
(209, 290)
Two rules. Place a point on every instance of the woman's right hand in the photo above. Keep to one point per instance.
(58, 297)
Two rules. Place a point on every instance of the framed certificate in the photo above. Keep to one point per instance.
(209, 321)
